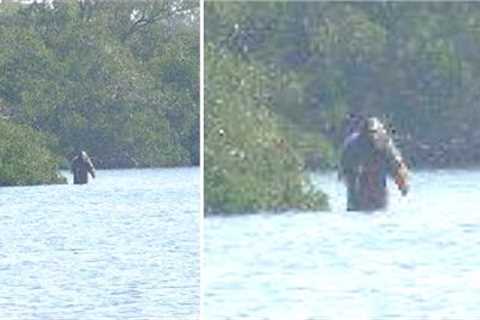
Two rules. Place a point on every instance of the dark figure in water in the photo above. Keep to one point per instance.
(368, 156)
(81, 166)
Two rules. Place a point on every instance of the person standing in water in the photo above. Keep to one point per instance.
(81, 166)
(368, 155)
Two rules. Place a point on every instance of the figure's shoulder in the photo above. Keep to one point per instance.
(76, 160)
(351, 140)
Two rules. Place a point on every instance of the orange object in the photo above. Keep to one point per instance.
(401, 179)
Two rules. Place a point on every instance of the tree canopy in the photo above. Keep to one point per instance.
(411, 63)
(116, 78)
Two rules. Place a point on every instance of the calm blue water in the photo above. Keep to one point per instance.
(420, 259)
(125, 246)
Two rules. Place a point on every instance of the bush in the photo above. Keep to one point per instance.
(25, 157)
(249, 165)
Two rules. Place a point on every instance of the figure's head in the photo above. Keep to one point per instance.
(373, 128)
(373, 124)
(82, 154)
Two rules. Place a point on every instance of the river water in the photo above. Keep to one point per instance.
(417, 260)
(125, 246)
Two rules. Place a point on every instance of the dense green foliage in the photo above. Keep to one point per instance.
(25, 157)
(118, 79)
(248, 165)
(414, 64)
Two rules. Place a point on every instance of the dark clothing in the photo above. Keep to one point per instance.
(365, 163)
(81, 166)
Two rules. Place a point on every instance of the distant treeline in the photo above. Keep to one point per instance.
(119, 79)
(413, 64)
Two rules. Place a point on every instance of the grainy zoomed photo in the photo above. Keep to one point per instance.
(100, 184)
(341, 160)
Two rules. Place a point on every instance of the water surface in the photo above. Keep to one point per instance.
(124, 246)
(417, 260)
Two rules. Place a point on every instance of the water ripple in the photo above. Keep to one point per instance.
(122, 247)
(417, 260)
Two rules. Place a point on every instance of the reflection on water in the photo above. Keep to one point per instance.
(122, 247)
(416, 260)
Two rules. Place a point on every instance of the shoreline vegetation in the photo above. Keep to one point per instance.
(25, 157)
(117, 79)
(294, 71)
(249, 165)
